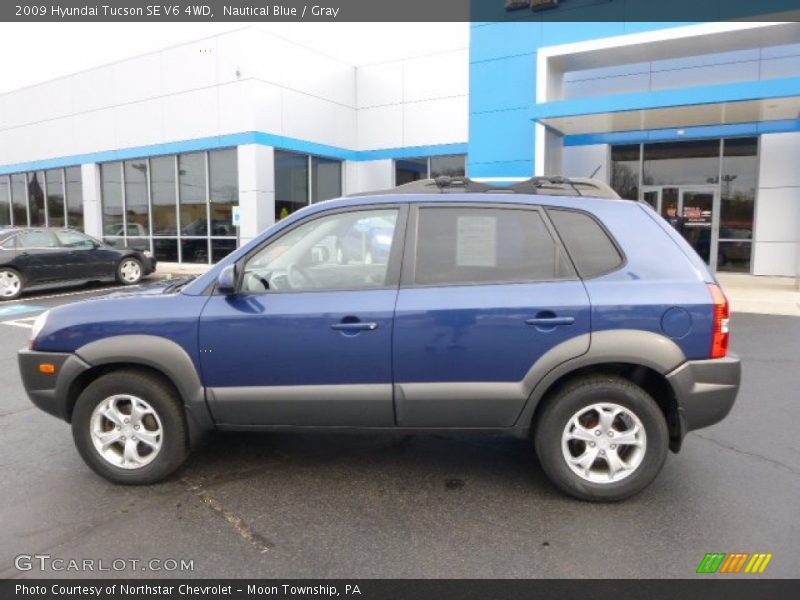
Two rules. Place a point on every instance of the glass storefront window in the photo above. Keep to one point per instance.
(224, 185)
(5, 201)
(687, 163)
(74, 189)
(739, 173)
(410, 169)
(55, 197)
(36, 214)
(452, 166)
(625, 170)
(326, 178)
(111, 189)
(163, 196)
(172, 195)
(136, 205)
(192, 194)
(19, 200)
(37, 198)
(721, 172)
(407, 170)
(291, 183)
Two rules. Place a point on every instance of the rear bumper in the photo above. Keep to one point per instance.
(49, 392)
(149, 265)
(705, 390)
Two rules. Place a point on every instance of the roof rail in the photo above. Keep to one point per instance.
(556, 185)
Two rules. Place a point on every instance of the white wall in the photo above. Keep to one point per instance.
(256, 190)
(413, 102)
(777, 219)
(582, 161)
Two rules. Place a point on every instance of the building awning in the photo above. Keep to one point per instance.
(776, 100)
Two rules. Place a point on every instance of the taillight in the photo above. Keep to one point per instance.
(719, 341)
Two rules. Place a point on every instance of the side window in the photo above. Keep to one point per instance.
(74, 239)
(9, 243)
(35, 239)
(486, 245)
(587, 243)
(344, 251)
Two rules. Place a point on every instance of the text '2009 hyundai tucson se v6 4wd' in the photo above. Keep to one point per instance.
(550, 309)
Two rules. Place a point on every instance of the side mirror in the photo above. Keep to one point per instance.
(226, 280)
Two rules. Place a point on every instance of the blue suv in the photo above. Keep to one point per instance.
(549, 308)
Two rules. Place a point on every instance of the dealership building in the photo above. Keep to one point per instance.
(155, 151)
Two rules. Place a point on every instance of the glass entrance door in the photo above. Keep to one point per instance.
(693, 211)
(699, 212)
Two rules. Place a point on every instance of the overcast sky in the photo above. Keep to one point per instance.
(36, 52)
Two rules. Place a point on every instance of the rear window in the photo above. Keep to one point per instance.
(462, 246)
(588, 244)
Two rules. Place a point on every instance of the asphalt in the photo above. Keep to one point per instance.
(370, 505)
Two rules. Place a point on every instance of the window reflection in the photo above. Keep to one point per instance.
(36, 214)
(165, 191)
(5, 201)
(670, 163)
(74, 189)
(136, 209)
(55, 197)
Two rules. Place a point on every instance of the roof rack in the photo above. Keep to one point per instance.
(541, 185)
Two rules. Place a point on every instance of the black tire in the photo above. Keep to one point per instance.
(120, 276)
(20, 276)
(582, 393)
(161, 397)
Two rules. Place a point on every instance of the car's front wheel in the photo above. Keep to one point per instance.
(128, 427)
(11, 283)
(601, 438)
(129, 271)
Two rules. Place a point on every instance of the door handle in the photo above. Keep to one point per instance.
(550, 321)
(354, 326)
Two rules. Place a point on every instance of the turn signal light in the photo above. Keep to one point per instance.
(47, 368)
(722, 314)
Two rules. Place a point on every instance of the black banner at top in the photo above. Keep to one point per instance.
(397, 10)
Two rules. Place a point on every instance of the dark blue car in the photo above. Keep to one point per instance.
(538, 310)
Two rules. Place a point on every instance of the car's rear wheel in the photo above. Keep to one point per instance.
(128, 427)
(129, 271)
(11, 283)
(601, 438)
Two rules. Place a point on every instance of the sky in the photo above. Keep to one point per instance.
(31, 53)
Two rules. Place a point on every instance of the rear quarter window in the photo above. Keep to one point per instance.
(590, 247)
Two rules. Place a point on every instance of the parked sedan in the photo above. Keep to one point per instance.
(41, 256)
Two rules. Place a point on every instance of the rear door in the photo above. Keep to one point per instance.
(486, 291)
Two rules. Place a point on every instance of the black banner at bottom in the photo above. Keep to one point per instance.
(702, 588)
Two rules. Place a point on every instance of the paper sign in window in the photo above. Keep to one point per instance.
(476, 241)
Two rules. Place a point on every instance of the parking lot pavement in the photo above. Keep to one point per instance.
(369, 505)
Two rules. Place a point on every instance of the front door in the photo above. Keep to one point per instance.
(307, 338)
(486, 292)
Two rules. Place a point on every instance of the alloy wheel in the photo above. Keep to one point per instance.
(604, 443)
(10, 284)
(130, 271)
(126, 431)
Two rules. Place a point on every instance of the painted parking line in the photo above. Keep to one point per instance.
(26, 323)
(19, 309)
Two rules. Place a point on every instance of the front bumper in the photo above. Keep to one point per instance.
(50, 392)
(705, 390)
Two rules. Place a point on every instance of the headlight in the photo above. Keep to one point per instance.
(38, 325)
